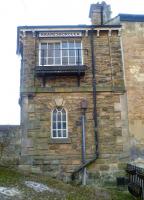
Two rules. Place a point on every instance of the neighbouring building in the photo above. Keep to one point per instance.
(133, 56)
(81, 96)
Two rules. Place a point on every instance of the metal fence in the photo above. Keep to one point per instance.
(136, 180)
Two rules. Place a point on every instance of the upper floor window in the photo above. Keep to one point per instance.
(60, 53)
(59, 123)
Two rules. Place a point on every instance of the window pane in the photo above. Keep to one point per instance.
(71, 52)
(64, 60)
(64, 45)
(64, 52)
(54, 115)
(64, 117)
(50, 52)
(59, 133)
(57, 45)
(43, 46)
(64, 133)
(78, 45)
(43, 61)
(50, 45)
(43, 52)
(54, 125)
(78, 52)
(59, 125)
(54, 133)
(59, 116)
(57, 61)
(78, 60)
(57, 52)
(50, 61)
(72, 60)
(64, 125)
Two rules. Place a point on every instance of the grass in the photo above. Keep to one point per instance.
(11, 178)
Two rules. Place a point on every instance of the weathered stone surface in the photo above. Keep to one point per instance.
(10, 144)
(133, 45)
(40, 96)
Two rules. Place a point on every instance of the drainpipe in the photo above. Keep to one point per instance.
(101, 14)
(84, 107)
(94, 94)
(84, 165)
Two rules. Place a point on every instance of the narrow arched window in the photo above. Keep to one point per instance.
(59, 123)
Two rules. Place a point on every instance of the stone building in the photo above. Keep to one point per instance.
(73, 98)
(79, 114)
(133, 56)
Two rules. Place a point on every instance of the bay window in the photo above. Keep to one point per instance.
(60, 53)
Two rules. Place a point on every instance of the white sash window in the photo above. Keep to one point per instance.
(60, 53)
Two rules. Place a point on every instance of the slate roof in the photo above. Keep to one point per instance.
(131, 17)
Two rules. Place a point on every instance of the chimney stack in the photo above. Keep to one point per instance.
(100, 13)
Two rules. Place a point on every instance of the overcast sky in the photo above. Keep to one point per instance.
(15, 13)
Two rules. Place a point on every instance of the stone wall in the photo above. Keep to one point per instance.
(9, 145)
(133, 47)
(41, 153)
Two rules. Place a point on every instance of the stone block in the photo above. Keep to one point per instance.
(117, 107)
(36, 170)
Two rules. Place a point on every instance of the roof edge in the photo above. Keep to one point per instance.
(131, 17)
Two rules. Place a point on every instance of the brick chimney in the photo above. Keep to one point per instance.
(100, 13)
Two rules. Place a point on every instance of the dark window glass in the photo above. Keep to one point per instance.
(54, 133)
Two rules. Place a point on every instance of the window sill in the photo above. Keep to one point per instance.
(59, 141)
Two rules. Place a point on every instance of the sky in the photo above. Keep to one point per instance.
(15, 13)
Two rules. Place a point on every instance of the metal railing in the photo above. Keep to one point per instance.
(136, 180)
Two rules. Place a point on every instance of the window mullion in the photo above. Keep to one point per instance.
(68, 52)
(75, 52)
(61, 53)
(81, 59)
(57, 123)
(47, 54)
(54, 53)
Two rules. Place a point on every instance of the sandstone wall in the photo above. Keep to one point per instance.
(133, 46)
(61, 157)
(9, 145)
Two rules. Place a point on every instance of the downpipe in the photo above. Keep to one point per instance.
(84, 147)
(84, 162)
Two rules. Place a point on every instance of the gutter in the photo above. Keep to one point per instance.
(87, 163)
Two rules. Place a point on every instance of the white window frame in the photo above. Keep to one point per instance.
(66, 129)
(61, 41)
